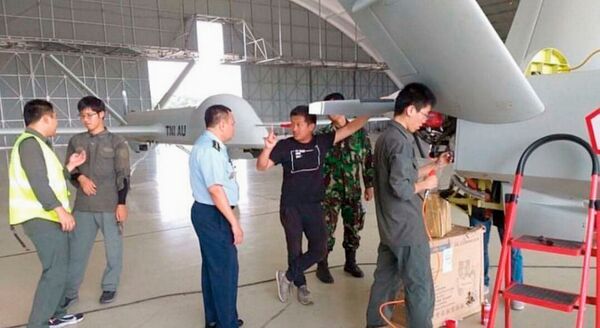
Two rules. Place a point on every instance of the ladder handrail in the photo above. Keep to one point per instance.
(557, 137)
(503, 273)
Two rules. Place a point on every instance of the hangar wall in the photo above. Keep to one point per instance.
(106, 44)
(26, 75)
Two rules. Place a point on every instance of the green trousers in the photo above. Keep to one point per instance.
(81, 241)
(408, 267)
(53, 251)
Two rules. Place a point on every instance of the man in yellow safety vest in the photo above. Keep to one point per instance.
(39, 201)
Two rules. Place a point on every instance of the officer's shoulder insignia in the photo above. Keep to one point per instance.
(216, 145)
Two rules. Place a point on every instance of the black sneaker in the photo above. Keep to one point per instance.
(214, 324)
(70, 301)
(107, 297)
(69, 319)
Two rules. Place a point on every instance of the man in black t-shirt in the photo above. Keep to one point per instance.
(302, 191)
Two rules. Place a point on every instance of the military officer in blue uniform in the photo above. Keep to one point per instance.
(216, 194)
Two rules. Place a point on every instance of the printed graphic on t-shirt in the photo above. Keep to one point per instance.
(305, 160)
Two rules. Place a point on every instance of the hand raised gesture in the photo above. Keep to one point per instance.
(270, 139)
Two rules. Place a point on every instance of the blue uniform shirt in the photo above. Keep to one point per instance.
(210, 165)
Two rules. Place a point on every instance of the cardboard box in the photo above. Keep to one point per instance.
(457, 268)
(437, 216)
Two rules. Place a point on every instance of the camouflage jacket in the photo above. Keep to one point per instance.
(344, 163)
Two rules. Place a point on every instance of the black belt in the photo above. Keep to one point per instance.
(232, 207)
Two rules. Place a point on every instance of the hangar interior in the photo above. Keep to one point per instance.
(288, 52)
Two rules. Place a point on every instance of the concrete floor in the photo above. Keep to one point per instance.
(160, 285)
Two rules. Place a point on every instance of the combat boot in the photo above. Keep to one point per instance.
(351, 267)
(323, 271)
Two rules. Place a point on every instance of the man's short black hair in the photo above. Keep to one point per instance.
(35, 109)
(416, 94)
(334, 96)
(91, 102)
(215, 114)
(302, 110)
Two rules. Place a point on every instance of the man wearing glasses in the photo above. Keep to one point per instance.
(403, 255)
(102, 184)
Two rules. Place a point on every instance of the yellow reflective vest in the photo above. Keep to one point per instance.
(23, 205)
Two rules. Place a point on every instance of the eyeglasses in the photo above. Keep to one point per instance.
(425, 115)
(89, 115)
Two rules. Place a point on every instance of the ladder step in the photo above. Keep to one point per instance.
(549, 245)
(548, 298)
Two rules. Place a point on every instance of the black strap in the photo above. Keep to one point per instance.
(511, 198)
(12, 228)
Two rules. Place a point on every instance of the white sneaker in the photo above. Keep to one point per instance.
(283, 286)
(66, 320)
(517, 305)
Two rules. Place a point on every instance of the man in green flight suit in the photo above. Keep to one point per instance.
(344, 164)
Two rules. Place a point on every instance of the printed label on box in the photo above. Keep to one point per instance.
(447, 260)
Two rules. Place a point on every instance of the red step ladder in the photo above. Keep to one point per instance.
(543, 297)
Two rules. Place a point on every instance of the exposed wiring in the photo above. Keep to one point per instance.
(585, 60)
(456, 181)
(437, 274)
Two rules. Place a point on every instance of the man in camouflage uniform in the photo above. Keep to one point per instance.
(342, 169)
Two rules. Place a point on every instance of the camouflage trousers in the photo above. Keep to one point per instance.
(353, 216)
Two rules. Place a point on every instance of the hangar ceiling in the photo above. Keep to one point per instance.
(499, 12)
(108, 51)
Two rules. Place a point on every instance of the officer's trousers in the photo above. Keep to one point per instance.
(409, 266)
(53, 251)
(219, 265)
(81, 240)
